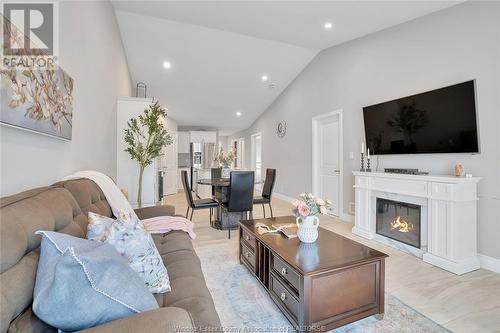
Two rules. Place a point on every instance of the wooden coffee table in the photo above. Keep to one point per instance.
(326, 284)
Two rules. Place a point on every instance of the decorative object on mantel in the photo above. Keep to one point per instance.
(146, 136)
(305, 210)
(225, 160)
(362, 157)
(281, 129)
(36, 94)
(368, 169)
(138, 87)
(459, 170)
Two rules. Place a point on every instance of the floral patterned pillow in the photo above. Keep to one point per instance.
(129, 237)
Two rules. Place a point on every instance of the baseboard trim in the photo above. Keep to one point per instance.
(283, 197)
(489, 263)
(347, 217)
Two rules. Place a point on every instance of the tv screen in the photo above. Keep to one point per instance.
(437, 121)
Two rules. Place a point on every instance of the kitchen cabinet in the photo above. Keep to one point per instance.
(203, 136)
(183, 142)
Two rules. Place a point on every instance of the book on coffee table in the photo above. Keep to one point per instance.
(289, 229)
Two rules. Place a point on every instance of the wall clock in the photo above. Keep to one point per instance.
(281, 129)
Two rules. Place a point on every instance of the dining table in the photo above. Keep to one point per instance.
(221, 195)
(218, 182)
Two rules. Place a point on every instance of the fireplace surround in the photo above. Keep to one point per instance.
(448, 216)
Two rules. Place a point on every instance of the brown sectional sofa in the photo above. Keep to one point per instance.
(63, 207)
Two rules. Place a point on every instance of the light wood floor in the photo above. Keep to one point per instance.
(468, 303)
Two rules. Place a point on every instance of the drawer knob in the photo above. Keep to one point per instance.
(247, 254)
(283, 296)
(283, 271)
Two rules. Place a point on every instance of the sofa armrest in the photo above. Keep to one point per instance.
(154, 211)
(164, 320)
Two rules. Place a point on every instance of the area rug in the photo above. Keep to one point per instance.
(245, 306)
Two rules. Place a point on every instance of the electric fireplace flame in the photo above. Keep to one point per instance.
(401, 225)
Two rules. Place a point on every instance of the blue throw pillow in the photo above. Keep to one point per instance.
(81, 284)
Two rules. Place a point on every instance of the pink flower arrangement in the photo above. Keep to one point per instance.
(225, 159)
(308, 205)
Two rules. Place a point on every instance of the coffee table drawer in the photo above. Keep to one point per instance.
(248, 238)
(284, 296)
(248, 256)
(286, 272)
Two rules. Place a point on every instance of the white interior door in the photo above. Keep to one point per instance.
(327, 176)
(257, 158)
(169, 164)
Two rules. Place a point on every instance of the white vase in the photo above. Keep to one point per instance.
(307, 228)
(226, 172)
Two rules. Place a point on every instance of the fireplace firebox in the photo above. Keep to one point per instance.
(399, 221)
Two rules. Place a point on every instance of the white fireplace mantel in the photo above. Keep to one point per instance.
(450, 206)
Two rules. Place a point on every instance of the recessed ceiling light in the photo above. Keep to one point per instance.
(238, 114)
(167, 64)
(264, 78)
(328, 25)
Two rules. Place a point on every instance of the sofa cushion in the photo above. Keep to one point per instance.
(172, 242)
(82, 283)
(188, 287)
(202, 310)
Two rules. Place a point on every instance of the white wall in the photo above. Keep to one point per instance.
(447, 47)
(91, 52)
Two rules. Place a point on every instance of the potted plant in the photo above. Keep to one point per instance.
(305, 210)
(146, 136)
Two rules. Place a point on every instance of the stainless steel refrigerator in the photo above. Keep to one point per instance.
(202, 157)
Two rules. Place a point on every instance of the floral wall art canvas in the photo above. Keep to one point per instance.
(35, 93)
(38, 100)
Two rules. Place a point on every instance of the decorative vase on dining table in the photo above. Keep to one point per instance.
(307, 228)
(226, 172)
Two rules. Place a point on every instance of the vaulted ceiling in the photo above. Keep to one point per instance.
(218, 51)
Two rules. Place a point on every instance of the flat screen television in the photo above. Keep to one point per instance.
(436, 121)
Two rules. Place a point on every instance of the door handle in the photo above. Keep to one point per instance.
(338, 171)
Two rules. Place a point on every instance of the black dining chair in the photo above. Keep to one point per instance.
(267, 191)
(196, 204)
(240, 194)
(215, 173)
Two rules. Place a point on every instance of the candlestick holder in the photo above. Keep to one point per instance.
(368, 165)
(362, 162)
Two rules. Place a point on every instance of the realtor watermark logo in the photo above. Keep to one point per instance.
(30, 34)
